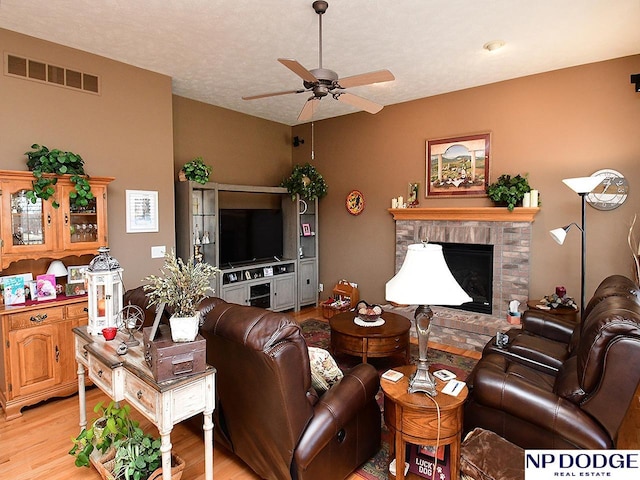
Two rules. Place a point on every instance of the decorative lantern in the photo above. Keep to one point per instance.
(104, 286)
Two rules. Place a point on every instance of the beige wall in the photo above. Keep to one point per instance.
(241, 149)
(125, 132)
(556, 125)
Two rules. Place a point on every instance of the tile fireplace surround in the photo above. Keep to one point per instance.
(510, 235)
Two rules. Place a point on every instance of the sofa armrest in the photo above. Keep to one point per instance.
(548, 325)
(496, 387)
(337, 407)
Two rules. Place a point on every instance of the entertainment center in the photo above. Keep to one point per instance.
(264, 243)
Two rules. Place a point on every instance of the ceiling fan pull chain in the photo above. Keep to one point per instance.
(312, 145)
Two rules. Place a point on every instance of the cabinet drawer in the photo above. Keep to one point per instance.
(34, 318)
(389, 343)
(101, 375)
(82, 356)
(142, 397)
(77, 310)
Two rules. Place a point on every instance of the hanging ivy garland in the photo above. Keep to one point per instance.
(305, 181)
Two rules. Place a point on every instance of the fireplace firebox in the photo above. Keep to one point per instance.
(472, 266)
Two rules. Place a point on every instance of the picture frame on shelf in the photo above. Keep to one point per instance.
(306, 230)
(74, 289)
(458, 166)
(76, 273)
(267, 271)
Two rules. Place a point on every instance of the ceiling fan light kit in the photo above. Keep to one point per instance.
(321, 82)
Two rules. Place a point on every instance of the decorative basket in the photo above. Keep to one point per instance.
(106, 463)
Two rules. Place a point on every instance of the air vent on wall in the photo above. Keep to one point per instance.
(38, 71)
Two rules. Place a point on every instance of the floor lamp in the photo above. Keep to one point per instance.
(582, 186)
(424, 279)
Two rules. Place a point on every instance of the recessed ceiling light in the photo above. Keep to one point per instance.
(493, 45)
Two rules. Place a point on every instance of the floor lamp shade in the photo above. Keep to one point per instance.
(425, 279)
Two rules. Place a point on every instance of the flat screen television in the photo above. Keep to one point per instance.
(250, 235)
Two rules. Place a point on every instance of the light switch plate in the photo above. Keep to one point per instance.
(158, 252)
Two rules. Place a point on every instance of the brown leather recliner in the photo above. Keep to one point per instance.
(546, 340)
(268, 413)
(582, 405)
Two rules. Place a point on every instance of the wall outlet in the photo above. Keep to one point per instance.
(158, 252)
(320, 287)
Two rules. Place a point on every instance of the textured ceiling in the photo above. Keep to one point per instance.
(216, 51)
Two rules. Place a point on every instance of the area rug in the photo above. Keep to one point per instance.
(318, 334)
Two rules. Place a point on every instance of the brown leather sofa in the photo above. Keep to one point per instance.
(267, 411)
(582, 403)
(547, 340)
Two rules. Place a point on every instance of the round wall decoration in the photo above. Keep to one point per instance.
(611, 192)
(355, 202)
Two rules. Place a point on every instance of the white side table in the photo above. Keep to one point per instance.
(128, 377)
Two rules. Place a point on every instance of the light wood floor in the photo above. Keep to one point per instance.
(35, 445)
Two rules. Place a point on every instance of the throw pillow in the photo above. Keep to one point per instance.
(324, 370)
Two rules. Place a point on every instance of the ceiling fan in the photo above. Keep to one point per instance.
(322, 81)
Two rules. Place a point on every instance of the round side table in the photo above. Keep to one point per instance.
(413, 418)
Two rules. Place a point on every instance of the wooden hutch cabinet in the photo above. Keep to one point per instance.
(36, 342)
(38, 360)
(37, 230)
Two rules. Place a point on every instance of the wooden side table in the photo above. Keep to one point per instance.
(129, 378)
(382, 341)
(413, 418)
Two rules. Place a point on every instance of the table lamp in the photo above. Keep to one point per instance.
(582, 186)
(57, 269)
(424, 279)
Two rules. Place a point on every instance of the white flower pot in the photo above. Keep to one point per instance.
(184, 329)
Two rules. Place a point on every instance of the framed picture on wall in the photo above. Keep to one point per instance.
(142, 211)
(458, 166)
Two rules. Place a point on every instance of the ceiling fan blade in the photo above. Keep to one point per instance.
(366, 79)
(274, 94)
(309, 109)
(358, 102)
(298, 69)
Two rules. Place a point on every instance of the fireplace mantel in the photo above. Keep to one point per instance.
(480, 214)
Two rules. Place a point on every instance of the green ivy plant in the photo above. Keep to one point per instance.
(509, 190)
(305, 181)
(137, 456)
(112, 426)
(197, 171)
(46, 165)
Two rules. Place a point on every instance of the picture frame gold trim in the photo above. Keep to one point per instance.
(458, 166)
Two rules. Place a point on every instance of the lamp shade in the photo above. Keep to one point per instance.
(559, 234)
(582, 184)
(57, 268)
(425, 279)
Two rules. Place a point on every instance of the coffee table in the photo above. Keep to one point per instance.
(383, 341)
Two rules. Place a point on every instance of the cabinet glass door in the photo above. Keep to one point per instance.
(30, 226)
(82, 226)
(204, 225)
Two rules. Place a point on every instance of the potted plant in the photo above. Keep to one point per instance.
(111, 426)
(196, 171)
(181, 287)
(508, 190)
(46, 165)
(305, 181)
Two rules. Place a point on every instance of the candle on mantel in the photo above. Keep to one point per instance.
(534, 198)
(526, 200)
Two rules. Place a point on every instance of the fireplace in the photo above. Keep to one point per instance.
(472, 266)
(507, 234)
